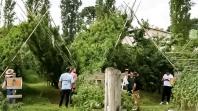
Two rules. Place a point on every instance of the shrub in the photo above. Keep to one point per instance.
(186, 92)
(126, 101)
(90, 96)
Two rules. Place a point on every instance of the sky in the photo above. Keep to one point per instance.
(155, 11)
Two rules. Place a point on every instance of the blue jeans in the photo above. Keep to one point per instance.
(10, 92)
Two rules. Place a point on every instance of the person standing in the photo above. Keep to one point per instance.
(125, 80)
(65, 85)
(167, 78)
(9, 74)
(131, 82)
(74, 75)
(136, 91)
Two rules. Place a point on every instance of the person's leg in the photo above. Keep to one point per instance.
(163, 94)
(136, 98)
(70, 97)
(168, 94)
(62, 97)
(10, 92)
(67, 97)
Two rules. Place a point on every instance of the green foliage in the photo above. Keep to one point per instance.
(70, 18)
(31, 76)
(43, 44)
(143, 58)
(90, 47)
(104, 8)
(109, 5)
(180, 19)
(89, 96)
(193, 34)
(194, 23)
(4, 105)
(9, 12)
(10, 43)
(88, 14)
(37, 7)
(126, 101)
(186, 92)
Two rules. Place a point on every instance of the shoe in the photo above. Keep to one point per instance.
(134, 109)
(161, 103)
(166, 103)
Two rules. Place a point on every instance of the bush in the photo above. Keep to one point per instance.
(89, 97)
(186, 92)
(126, 101)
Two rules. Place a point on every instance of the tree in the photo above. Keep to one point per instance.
(109, 5)
(91, 47)
(88, 14)
(104, 7)
(99, 8)
(1, 4)
(9, 13)
(180, 18)
(43, 43)
(70, 18)
(38, 7)
(194, 23)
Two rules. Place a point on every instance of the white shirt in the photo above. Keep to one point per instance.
(125, 81)
(167, 79)
(66, 81)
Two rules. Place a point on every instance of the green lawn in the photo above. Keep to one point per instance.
(40, 97)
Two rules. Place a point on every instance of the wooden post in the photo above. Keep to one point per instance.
(112, 90)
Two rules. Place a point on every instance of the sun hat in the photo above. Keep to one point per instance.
(9, 72)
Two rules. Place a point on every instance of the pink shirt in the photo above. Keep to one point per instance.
(74, 75)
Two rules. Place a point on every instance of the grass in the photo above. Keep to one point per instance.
(150, 102)
(37, 96)
(40, 97)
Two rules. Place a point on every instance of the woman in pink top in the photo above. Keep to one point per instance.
(74, 75)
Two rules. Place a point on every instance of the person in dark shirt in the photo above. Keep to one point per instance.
(136, 91)
(131, 82)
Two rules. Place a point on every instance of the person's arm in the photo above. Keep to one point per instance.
(163, 78)
(60, 83)
(4, 84)
(75, 77)
(133, 88)
(72, 82)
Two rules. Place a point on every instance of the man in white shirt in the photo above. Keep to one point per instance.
(125, 81)
(65, 84)
(166, 87)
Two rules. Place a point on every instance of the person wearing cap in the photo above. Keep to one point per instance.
(9, 74)
(167, 86)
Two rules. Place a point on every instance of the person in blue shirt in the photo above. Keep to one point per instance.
(65, 85)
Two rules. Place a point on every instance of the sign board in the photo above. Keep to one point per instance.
(14, 96)
(14, 83)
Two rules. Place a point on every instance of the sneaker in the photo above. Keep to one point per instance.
(134, 109)
(161, 103)
(166, 103)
